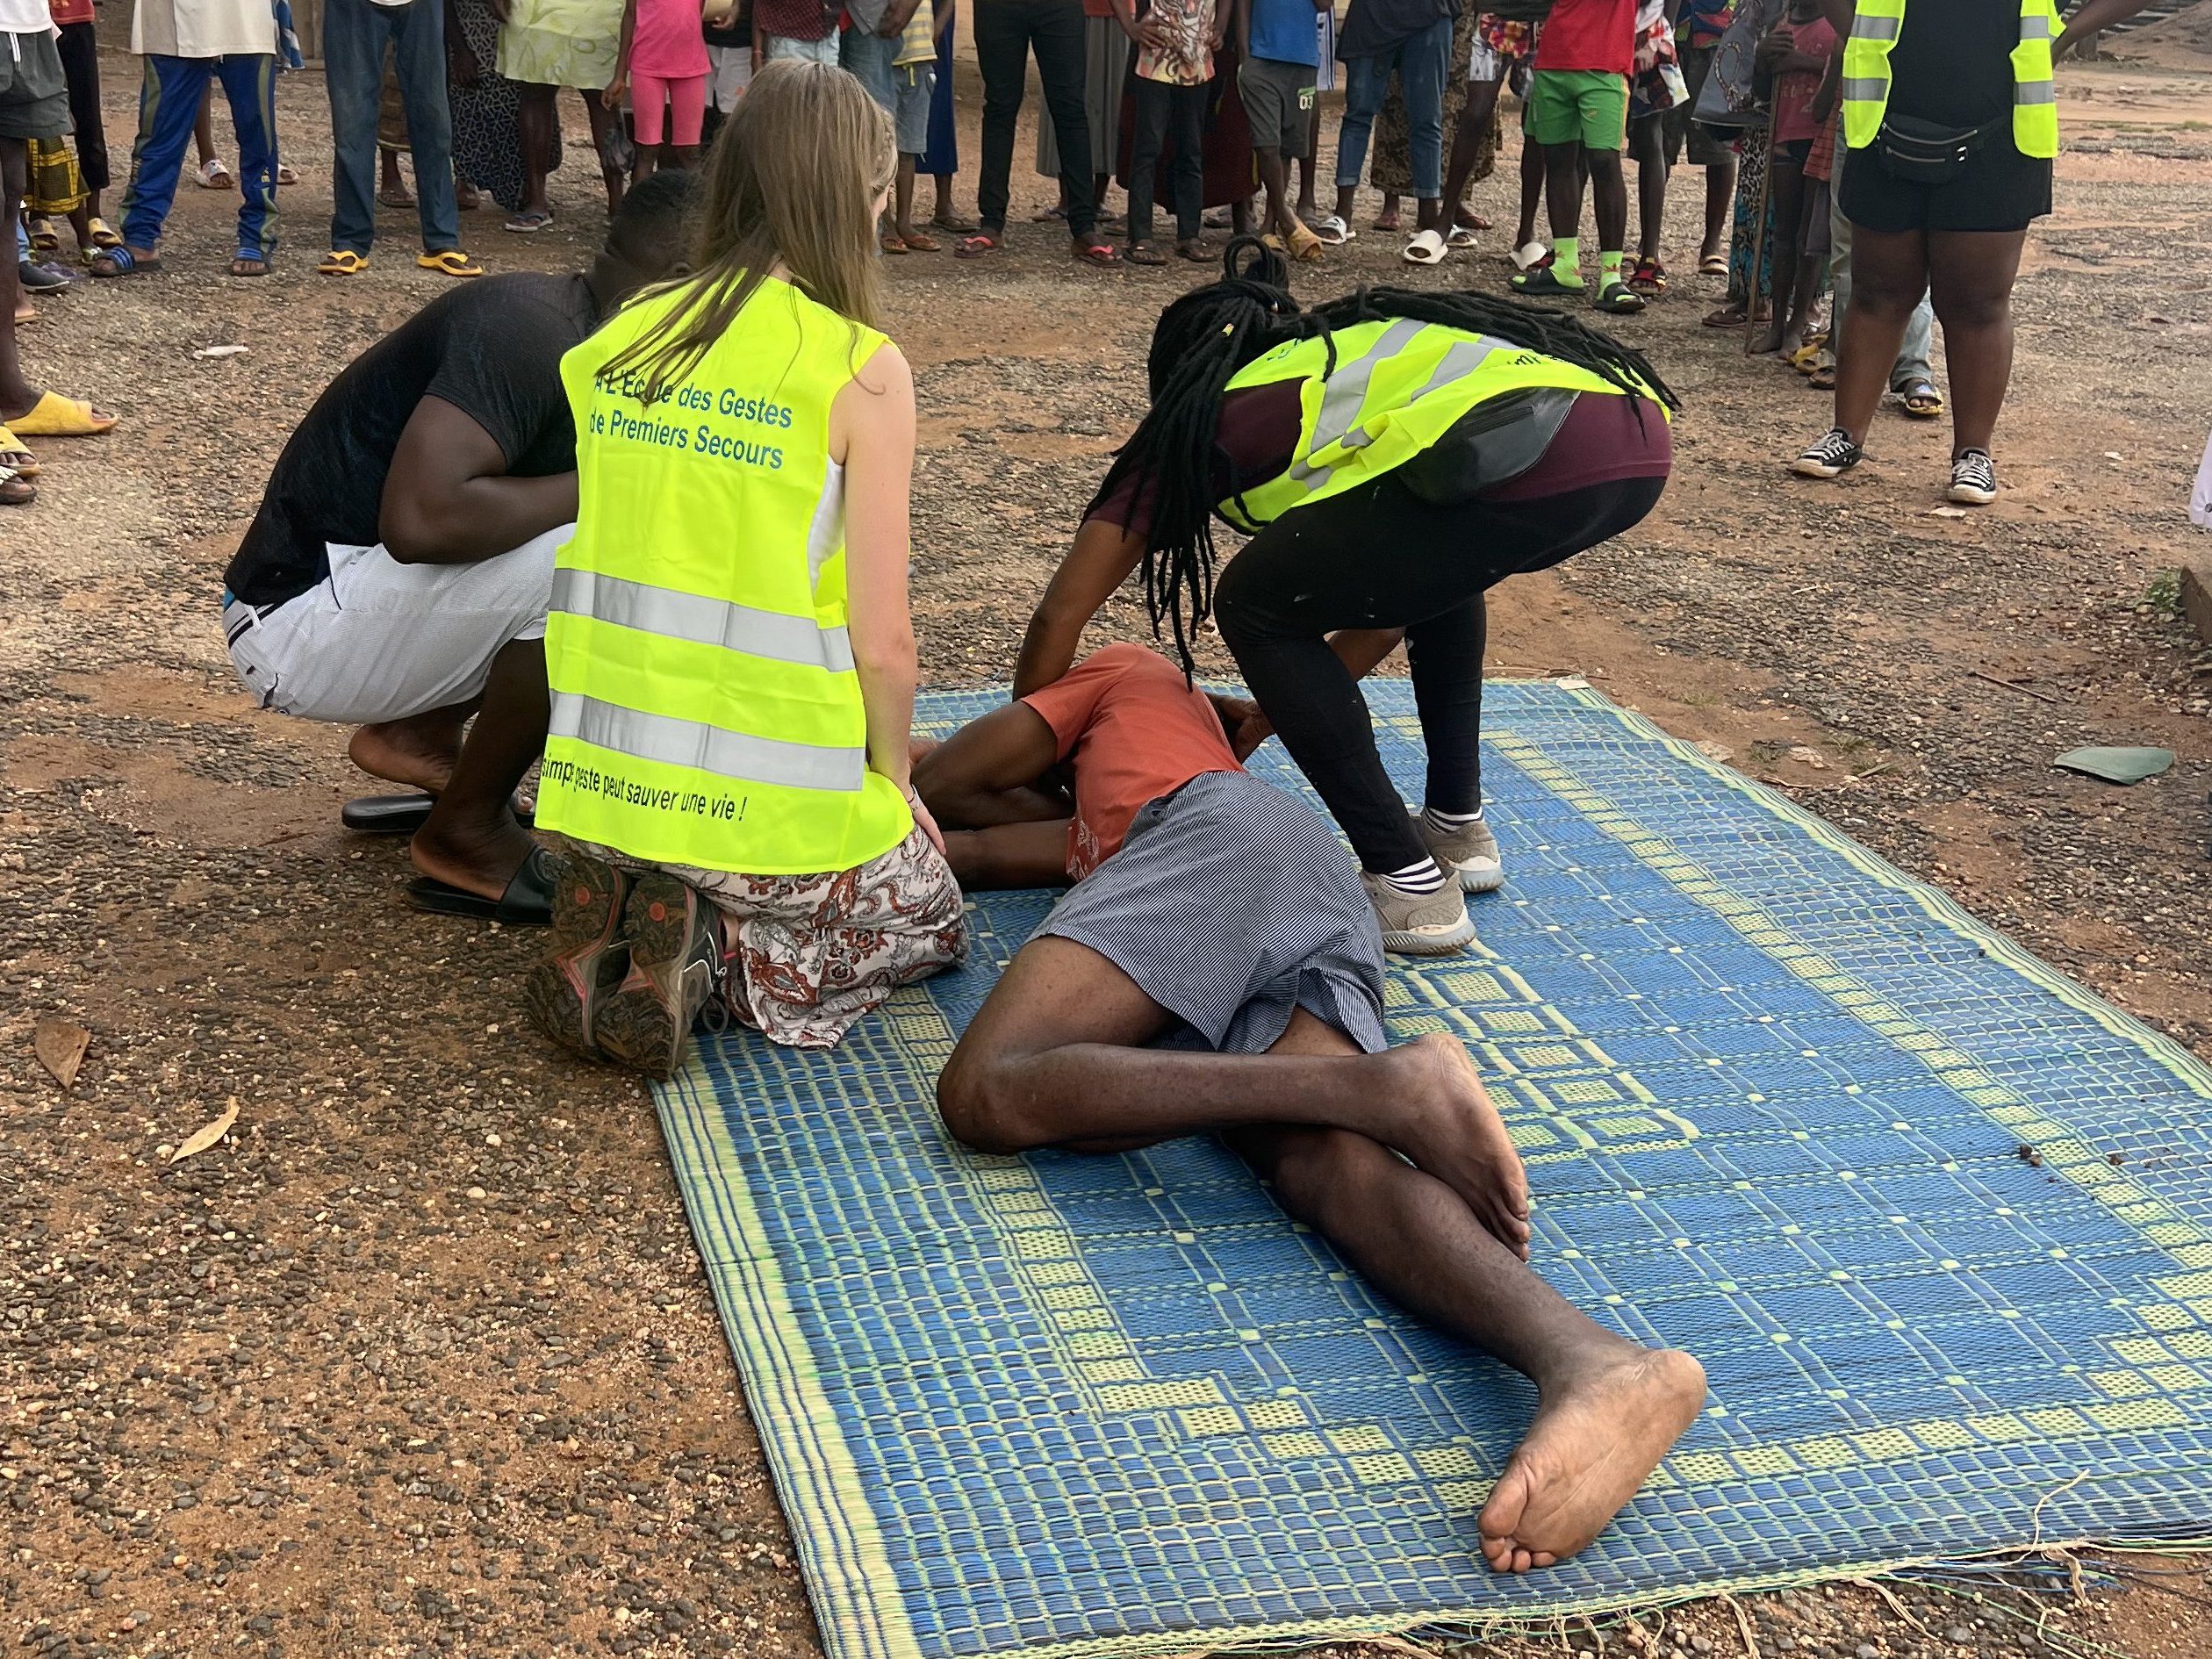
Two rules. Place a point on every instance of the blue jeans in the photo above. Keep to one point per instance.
(354, 36)
(1422, 64)
(170, 99)
(779, 47)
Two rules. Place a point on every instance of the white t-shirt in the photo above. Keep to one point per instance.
(202, 28)
(24, 16)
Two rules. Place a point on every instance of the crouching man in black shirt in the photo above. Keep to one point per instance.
(397, 575)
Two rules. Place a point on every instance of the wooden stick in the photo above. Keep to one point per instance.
(1759, 249)
(2009, 685)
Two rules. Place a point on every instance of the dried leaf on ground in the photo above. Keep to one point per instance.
(201, 1139)
(60, 1045)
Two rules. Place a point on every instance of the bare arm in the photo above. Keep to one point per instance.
(1103, 555)
(448, 499)
(2097, 14)
(1839, 14)
(871, 431)
(611, 95)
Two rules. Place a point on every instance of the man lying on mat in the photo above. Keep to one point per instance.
(1217, 970)
(397, 575)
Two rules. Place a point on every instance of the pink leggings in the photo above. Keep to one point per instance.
(687, 98)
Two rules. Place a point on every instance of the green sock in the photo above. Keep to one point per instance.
(1609, 269)
(1567, 260)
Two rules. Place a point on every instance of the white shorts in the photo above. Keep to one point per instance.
(377, 640)
(732, 70)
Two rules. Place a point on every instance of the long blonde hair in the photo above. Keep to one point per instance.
(793, 180)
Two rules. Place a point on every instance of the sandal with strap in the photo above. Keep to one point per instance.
(342, 261)
(1920, 399)
(1098, 253)
(450, 261)
(1649, 280)
(13, 491)
(15, 457)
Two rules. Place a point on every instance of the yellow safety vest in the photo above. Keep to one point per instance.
(1866, 75)
(1398, 387)
(705, 707)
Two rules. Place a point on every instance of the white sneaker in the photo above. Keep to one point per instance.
(1469, 853)
(1429, 924)
(1973, 480)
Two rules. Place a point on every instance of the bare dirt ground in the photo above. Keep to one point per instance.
(419, 1359)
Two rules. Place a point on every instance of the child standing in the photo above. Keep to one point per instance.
(663, 59)
(1175, 64)
(1798, 53)
(1282, 55)
(1578, 111)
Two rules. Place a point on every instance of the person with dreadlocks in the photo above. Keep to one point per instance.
(1216, 971)
(1393, 455)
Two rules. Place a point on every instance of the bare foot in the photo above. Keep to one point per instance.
(1770, 339)
(479, 861)
(1586, 1455)
(419, 751)
(1451, 1130)
(1388, 222)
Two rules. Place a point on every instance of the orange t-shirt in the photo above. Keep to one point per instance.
(1135, 732)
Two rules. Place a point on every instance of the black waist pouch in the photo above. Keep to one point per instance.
(1492, 443)
(1916, 152)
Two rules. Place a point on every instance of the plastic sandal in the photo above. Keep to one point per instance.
(1460, 236)
(1648, 279)
(977, 247)
(1544, 280)
(342, 263)
(14, 492)
(213, 175)
(1618, 299)
(528, 224)
(1920, 399)
(104, 234)
(44, 238)
(1334, 233)
(1529, 254)
(1426, 248)
(121, 261)
(450, 261)
(1099, 254)
(55, 416)
(15, 457)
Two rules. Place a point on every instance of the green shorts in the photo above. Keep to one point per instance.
(1584, 106)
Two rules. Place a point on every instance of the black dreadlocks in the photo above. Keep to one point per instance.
(1203, 339)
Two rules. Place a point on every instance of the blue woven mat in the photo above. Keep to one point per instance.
(1773, 1096)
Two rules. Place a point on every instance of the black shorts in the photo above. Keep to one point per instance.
(1998, 190)
(34, 99)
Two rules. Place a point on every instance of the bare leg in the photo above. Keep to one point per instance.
(535, 122)
(471, 839)
(16, 394)
(1889, 274)
(1389, 219)
(1275, 176)
(1608, 200)
(1721, 181)
(1789, 198)
(1971, 275)
(1647, 143)
(1306, 207)
(1053, 1059)
(1606, 1409)
(607, 131)
(1476, 115)
(392, 190)
(204, 126)
(420, 750)
(1535, 171)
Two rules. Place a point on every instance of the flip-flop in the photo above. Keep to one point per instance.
(527, 901)
(1920, 399)
(1426, 248)
(921, 243)
(15, 457)
(979, 246)
(55, 416)
(342, 261)
(1146, 254)
(401, 814)
(1823, 378)
(1099, 254)
(121, 261)
(213, 175)
(956, 225)
(1726, 316)
(1334, 233)
(892, 245)
(528, 224)
(448, 262)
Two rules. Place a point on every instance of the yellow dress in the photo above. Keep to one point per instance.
(561, 42)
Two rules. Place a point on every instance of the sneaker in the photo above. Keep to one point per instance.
(1469, 853)
(1831, 457)
(1973, 480)
(588, 957)
(1426, 924)
(675, 969)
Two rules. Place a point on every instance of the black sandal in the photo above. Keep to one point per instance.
(527, 901)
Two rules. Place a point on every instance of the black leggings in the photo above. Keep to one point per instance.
(1377, 557)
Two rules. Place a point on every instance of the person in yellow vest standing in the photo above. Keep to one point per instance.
(730, 651)
(1950, 119)
(1393, 455)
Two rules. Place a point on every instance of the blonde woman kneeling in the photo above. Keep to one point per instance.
(730, 650)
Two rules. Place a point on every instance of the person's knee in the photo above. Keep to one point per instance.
(1320, 1174)
(1978, 307)
(979, 1105)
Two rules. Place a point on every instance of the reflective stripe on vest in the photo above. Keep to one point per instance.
(1398, 387)
(705, 710)
(704, 621)
(1874, 35)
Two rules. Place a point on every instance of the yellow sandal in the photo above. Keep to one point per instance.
(450, 262)
(343, 262)
(55, 416)
(15, 457)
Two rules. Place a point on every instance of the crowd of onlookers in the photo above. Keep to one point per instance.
(1208, 107)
